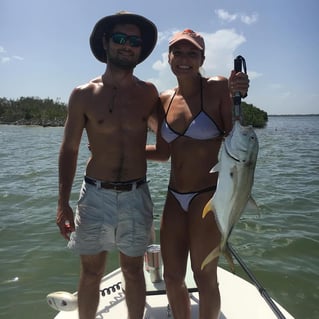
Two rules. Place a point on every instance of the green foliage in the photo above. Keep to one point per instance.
(253, 115)
(36, 111)
(32, 110)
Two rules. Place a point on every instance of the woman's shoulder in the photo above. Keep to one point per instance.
(217, 82)
(216, 79)
(167, 94)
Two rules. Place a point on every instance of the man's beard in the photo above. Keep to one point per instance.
(121, 63)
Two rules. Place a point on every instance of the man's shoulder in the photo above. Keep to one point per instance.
(146, 89)
(86, 89)
(145, 84)
(83, 93)
(90, 85)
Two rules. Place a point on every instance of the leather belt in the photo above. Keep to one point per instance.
(117, 186)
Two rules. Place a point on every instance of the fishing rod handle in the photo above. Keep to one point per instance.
(238, 62)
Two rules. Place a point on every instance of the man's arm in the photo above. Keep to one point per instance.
(68, 160)
(161, 150)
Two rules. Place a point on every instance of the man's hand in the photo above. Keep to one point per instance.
(65, 221)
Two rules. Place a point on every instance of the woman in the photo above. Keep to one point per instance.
(198, 114)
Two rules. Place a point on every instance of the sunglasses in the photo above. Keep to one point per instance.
(121, 38)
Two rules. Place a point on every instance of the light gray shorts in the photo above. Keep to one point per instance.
(108, 219)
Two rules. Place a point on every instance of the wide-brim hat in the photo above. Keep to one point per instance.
(106, 24)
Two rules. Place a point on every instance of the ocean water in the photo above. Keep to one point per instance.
(279, 243)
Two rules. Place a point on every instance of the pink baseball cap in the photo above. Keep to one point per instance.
(188, 35)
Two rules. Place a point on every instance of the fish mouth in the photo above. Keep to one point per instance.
(230, 154)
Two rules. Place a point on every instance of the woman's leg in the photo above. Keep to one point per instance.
(174, 249)
(204, 237)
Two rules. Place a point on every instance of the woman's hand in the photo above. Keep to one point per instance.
(238, 82)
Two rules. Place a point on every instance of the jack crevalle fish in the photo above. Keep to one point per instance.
(236, 166)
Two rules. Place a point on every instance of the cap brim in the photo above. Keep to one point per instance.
(186, 38)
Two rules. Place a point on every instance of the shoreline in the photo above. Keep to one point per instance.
(43, 123)
(61, 122)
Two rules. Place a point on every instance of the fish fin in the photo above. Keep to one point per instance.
(251, 204)
(208, 208)
(210, 257)
(228, 256)
(216, 168)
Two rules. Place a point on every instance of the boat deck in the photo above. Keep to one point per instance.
(239, 299)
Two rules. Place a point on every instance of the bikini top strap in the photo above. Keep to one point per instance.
(201, 94)
(170, 102)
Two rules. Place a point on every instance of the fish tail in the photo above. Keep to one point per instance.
(208, 208)
(210, 257)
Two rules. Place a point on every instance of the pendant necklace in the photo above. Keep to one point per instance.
(113, 95)
(111, 104)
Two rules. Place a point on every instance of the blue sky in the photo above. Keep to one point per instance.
(44, 47)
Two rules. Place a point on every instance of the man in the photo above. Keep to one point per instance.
(115, 207)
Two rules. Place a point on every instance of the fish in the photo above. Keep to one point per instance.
(236, 165)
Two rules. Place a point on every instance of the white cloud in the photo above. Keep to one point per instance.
(162, 36)
(16, 57)
(164, 78)
(254, 75)
(4, 58)
(162, 64)
(220, 51)
(225, 16)
(7, 59)
(249, 19)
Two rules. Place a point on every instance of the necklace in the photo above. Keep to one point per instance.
(111, 103)
(113, 95)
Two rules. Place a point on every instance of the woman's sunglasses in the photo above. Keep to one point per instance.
(121, 38)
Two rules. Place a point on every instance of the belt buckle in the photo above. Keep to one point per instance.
(117, 187)
(122, 187)
(127, 187)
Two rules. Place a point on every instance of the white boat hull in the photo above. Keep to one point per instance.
(239, 299)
